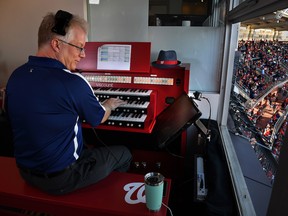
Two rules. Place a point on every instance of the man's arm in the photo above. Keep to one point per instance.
(110, 105)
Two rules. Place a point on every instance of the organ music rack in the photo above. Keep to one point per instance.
(162, 86)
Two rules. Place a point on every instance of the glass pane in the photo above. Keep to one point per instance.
(258, 104)
(178, 13)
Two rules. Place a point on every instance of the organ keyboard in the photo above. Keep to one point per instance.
(126, 119)
(147, 90)
(132, 114)
(123, 93)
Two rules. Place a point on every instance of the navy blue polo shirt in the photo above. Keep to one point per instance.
(46, 105)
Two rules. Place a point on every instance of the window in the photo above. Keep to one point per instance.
(172, 13)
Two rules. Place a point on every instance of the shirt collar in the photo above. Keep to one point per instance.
(45, 62)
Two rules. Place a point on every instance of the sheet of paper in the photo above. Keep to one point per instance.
(114, 57)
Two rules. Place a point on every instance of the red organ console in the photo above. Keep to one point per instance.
(148, 91)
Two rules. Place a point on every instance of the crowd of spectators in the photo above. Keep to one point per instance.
(261, 66)
(262, 74)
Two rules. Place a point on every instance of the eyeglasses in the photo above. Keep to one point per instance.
(82, 49)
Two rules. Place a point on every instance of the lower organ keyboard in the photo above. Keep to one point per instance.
(125, 119)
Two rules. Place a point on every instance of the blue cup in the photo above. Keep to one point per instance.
(154, 183)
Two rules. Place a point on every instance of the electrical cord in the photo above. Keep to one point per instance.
(171, 213)
(209, 118)
(173, 154)
(104, 144)
(198, 96)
